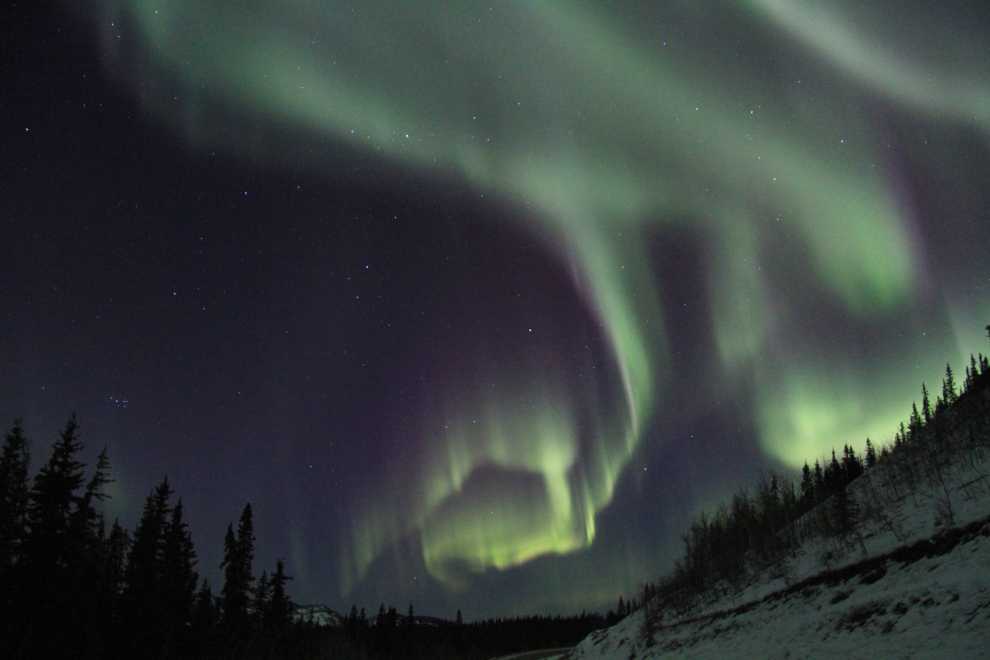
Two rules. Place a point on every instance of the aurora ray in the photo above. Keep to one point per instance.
(598, 133)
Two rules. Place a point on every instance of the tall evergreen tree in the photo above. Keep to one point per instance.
(238, 556)
(48, 552)
(262, 598)
(86, 524)
(53, 499)
(807, 486)
(15, 459)
(114, 562)
(280, 607)
(844, 514)
(852, 467)
(230, 593)
(245, 541)
(179, 577)
(14, 491)
(145, 602)
(204, 611)
(144, 575)
(926, 404)
(63, 551)
(380, 617)
(914, 423)
(871, 454)
(819, 481)
(834, 478)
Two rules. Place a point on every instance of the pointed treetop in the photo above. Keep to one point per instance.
(949, 394)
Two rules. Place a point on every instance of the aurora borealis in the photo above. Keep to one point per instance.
(772, 206)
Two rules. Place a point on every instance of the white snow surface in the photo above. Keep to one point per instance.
(893, 595)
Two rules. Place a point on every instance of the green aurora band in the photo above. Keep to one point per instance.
(600, 133)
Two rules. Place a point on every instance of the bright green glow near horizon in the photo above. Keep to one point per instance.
(601, 138)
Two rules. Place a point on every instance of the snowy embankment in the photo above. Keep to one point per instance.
(914, 582)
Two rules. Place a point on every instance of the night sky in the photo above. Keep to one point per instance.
(478, 304)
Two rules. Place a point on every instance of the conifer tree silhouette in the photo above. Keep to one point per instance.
(280, 607)
(179, 577)
(949, 394)
(48, 555)
(238, 555)
(15, 459)
(871, 454)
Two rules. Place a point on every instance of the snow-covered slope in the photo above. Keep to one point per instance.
(914, 584)
(318, 615)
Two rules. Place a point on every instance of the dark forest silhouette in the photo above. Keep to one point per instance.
(71, 588)
(754, 534)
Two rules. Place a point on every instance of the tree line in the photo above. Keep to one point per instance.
(71, 587)
(74, 586)
(760, 528)
(395, 636)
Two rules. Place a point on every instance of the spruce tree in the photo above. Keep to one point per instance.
(834, 478)
(86, 525)
(352, 618)
(52, 501)
(112, 575)
(63, 551)
(14, 461)
(145, 603)
(807, 487)
(819, 481)
(238, 556)
(380, 618)
(949, 393)
(204, 611)
(179, 577)
(648, 627)
(145, 561)
(851, 465)
(871, 454)
(926, 404)
(245, 541)
(845, 514)
(48, 545)
(914, 423)
(262, 597)
(233, 600)
(280, 607)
